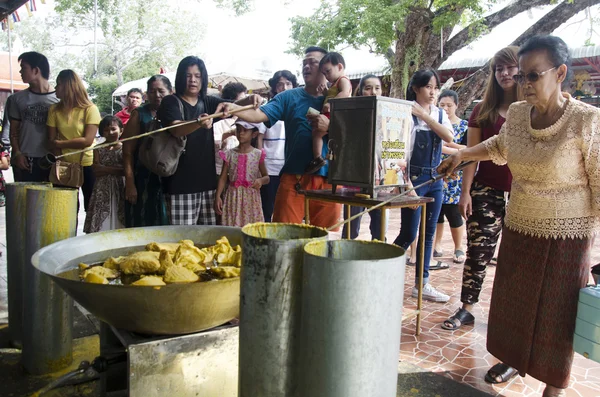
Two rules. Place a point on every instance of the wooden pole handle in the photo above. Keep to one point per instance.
(199, 120)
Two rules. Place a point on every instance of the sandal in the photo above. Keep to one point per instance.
(438, 254)
(458, 319)
(500, 371)
(409, 263)
(439, 266)
(554, 393)
(459, 256)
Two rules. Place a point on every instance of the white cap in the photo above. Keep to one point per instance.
(261, 127)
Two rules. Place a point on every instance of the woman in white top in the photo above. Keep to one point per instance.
(430, 127)
(273, 142)
(551, 142)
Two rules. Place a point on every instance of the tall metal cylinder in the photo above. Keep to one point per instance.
(270, 298)
(48, 310)
(352, 293)
(15, 253)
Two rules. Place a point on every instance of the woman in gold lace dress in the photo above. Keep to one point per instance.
(551, 143)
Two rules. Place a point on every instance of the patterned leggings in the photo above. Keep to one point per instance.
(483, 229)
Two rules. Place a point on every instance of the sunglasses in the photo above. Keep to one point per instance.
(532, 77)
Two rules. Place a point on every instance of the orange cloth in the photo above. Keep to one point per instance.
(289, 204)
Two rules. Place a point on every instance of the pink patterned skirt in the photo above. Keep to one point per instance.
(242, 205)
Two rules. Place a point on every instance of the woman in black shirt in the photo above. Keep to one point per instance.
(190, 191)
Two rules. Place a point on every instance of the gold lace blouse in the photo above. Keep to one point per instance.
(555, 190)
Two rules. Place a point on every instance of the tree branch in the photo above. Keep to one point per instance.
(132, 47)
(576, 22)
(463, 38)
(443, 10)
(390, 55)
(75, 45)
(546, 25)
(134, 59)
(552, 20)
(434, 42)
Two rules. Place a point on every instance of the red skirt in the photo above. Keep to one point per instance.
(534, 304)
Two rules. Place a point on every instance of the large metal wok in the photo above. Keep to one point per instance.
(168, 310)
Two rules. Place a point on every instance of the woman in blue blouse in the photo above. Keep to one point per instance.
(448, 100)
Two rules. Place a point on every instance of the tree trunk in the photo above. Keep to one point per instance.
(473, 88)
(410, 46)
(419, 46)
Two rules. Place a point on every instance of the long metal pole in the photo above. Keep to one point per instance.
(48, 310)
(16, 259)
(421, 267)
(10, 69)
(397, 196)
(199, 120)
(442, 42)
(95, 41)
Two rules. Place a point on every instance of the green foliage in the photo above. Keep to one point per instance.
(136, 37)
(240, 7)
(145, 66)
(47, 38)
(348, 22)
(100, 90)
(448, 15)
(594, 21)
(81, 12)
(375, 23)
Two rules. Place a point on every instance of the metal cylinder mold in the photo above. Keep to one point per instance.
(48, 310)
(270, 298)
(352, 294)
(16, 259)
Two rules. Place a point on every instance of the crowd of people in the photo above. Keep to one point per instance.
(251, 167)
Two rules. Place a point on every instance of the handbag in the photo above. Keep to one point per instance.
(160, 152)
(64, 173)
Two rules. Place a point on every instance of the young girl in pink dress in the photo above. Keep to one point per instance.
(245, 168)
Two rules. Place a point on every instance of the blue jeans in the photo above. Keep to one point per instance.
(374, 226)
(411, 218)
(267, 196)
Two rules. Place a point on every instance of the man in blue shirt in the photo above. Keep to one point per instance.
(292, 106)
